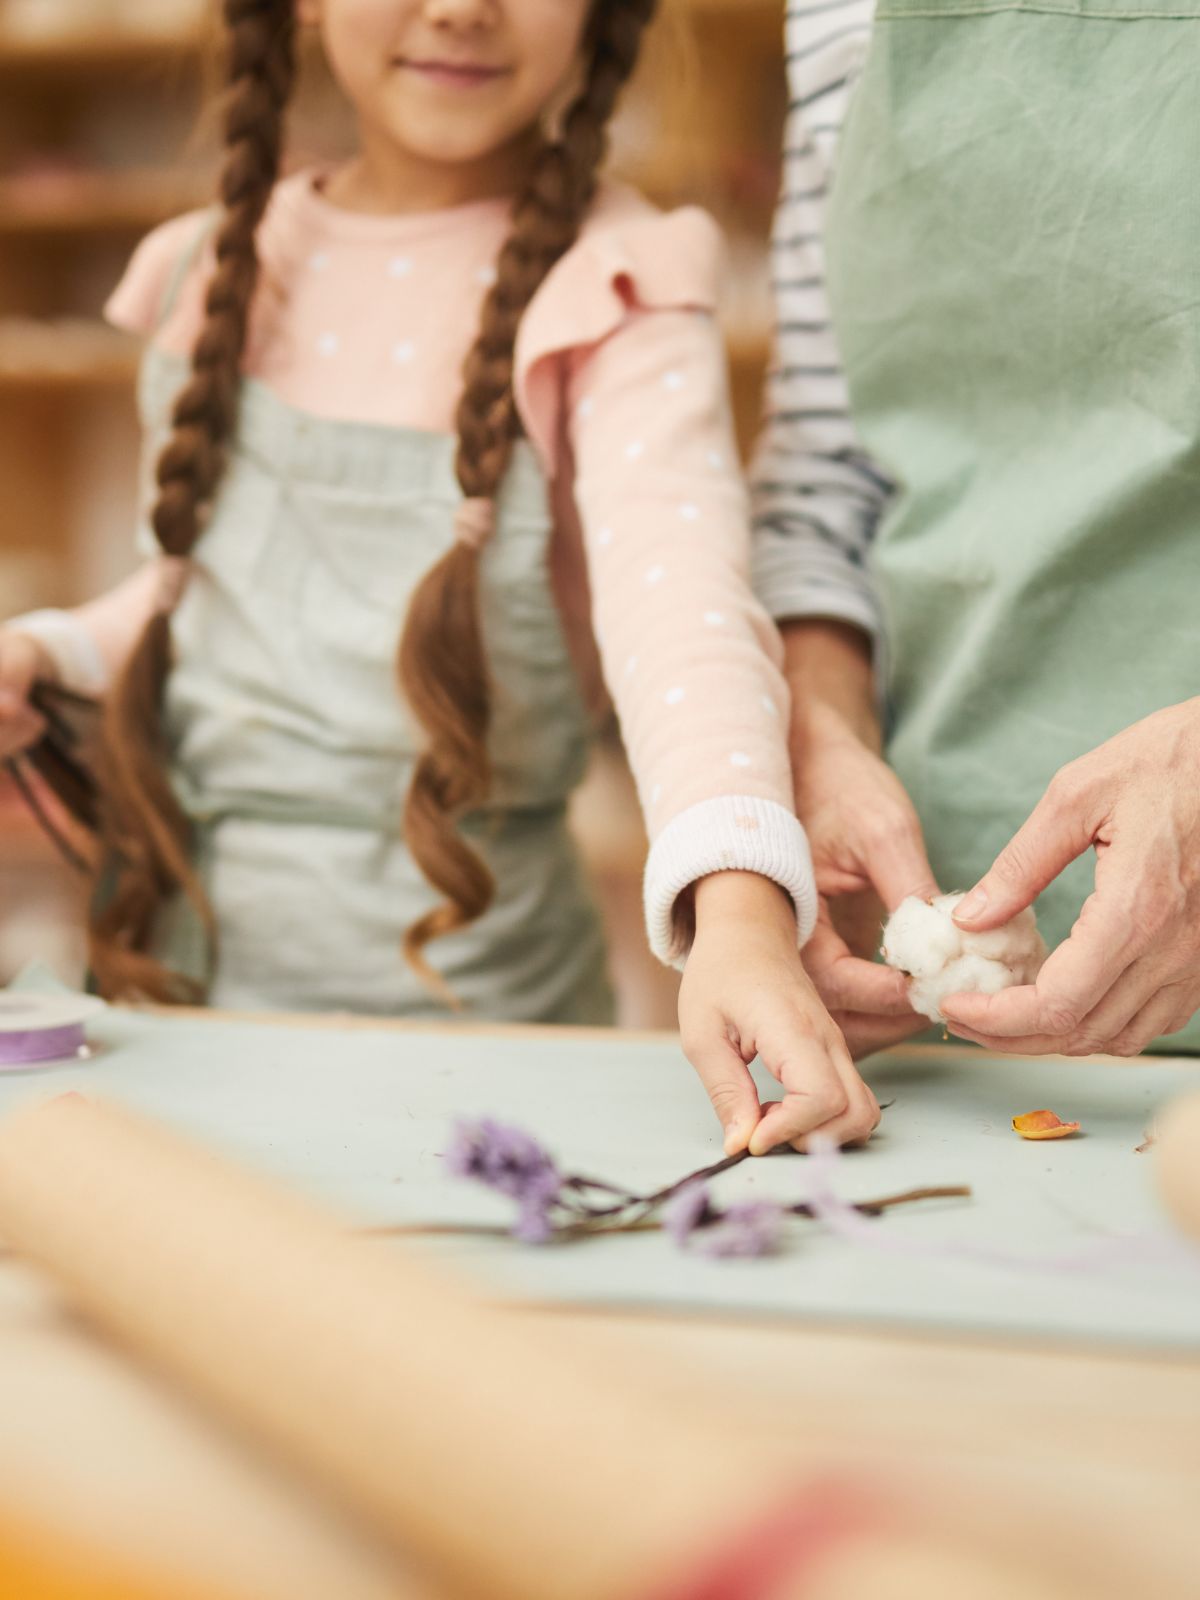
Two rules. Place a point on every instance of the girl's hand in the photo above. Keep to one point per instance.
(745, 993)
(22, 659)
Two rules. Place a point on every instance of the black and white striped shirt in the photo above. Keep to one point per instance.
(818, 496)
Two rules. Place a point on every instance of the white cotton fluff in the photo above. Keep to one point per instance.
(940, 959)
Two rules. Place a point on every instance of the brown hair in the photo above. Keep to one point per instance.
(441, 663)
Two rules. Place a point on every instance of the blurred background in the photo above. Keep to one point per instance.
(106, 129)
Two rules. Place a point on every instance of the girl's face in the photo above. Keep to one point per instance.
(451, 82)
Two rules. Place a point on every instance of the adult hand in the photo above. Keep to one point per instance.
(1130, 970)
(745, 994)
(866, 840)
(22, 659)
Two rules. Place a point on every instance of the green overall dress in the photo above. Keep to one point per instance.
(1014, 266)
(292, 750)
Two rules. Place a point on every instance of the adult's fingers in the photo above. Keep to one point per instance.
(847, 983)
(1159, 1017)
(726, 1079)
(1135, 986)
(896, 859)
(864, 1034)
(1060, 827)
(1103, 944)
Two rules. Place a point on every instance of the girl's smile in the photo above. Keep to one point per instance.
(453, 74)
(451, 96)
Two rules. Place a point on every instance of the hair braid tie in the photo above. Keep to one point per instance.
(173, 575)
(475, 522)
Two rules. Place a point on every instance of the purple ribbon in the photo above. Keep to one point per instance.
(42, 1044)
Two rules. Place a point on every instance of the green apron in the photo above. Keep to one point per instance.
(1014, 267)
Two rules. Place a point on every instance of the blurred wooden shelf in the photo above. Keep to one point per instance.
(96, 202)
(112, 374)
(102, 48)
(114, 48)
(68, 354)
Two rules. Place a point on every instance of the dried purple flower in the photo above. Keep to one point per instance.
(551, 1205)
(686, 1211)
(504, 1158)
(512, 1162)
(749, 1228)
(534, 1224)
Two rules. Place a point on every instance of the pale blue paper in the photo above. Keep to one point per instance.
(358, 1118)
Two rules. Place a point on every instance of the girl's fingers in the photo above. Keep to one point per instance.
(727, 1081)
(858, 1121)
(19, 730)
(20, 725)
(814, 1094)
(19, 661)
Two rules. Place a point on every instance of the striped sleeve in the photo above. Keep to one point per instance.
(818, 496)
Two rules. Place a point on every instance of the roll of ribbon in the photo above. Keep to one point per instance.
(37, 1030)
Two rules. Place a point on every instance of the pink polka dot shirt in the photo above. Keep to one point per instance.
(621, 385)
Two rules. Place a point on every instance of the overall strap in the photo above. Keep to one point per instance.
(187, 260)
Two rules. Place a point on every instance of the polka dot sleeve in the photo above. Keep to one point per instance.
(691, 659)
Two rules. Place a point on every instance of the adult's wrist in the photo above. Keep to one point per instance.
(828, 664)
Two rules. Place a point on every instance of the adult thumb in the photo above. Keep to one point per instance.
(1057, 831)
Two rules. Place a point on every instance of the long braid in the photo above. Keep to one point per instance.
(145, 832)
(442, 667)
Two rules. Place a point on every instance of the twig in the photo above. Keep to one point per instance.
(598, 1223)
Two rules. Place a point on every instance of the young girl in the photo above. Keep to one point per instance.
(437, 395)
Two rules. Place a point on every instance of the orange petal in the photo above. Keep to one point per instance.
(1043, 1125)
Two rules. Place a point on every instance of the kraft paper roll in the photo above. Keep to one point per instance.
(473, 1445)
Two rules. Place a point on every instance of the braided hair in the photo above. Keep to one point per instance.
(441, 662)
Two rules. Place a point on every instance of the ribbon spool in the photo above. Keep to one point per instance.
(39, 1030)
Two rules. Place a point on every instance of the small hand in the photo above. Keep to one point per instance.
(744, 994)
(22, 660)
(1130, 970)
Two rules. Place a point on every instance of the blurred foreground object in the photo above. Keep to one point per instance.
(1178, 1141)
(486, 1450)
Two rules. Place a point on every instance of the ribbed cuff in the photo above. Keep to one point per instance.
(78, 662)
(732, 833)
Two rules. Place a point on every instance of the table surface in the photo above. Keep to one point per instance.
(1116, 1427)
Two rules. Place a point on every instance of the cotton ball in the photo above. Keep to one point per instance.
(940, 959)
(919, 939)
(966, 974)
